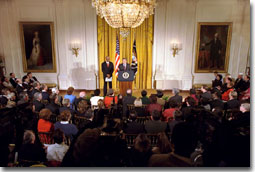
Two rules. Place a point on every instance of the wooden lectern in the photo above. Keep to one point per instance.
(125, 78)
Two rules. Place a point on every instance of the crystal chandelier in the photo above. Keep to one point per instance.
(124, 14)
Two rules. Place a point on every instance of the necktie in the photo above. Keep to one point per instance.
(124, 67)
(107, 64)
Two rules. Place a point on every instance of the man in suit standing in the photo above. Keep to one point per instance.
(124, 66)
(13, 80)
(107, 69)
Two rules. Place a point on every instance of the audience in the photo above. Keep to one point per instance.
(57, 151)
(110, 99)
(183, 144)
(145, 99)
(70, 130)
(128, 100)
(30, 149)
(153, 105)
(177, 98)
(133, 127)
(70, 96)
(37, 105)
(205, 129)
(155, 125)
(163, 145)
(44, 123)
(94, 99)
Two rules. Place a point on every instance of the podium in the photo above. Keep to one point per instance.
(125, 78)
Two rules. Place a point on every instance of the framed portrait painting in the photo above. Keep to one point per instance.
(213, 46)
(37, 42)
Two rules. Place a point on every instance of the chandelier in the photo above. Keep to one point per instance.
(124, 14)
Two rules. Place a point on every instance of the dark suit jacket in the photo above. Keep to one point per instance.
(38, 105)
(238, 83)
(19, 89)
(54, 108)
(154, 127)
(134, 128)
(45, 96)
(217, 103)
(127, 100)
(13, 82)
(107, 70)
(233, 104)
(33, 80)
(206, 95)
(176, 98)
(121, 67)
(216, 83)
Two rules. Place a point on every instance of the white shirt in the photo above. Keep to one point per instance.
(94, 100)
(56, 152)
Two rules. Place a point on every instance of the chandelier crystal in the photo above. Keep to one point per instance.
(124, 13)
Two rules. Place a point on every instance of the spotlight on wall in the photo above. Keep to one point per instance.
(75, 47)
(176, 47)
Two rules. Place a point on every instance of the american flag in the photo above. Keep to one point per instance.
(117, 56)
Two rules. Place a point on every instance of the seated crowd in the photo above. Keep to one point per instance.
(208, 128)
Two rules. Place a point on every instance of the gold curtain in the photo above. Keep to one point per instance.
(144, 41)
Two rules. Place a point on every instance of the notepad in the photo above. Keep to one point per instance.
(108, 79)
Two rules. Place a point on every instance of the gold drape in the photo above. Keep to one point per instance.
(144, 41)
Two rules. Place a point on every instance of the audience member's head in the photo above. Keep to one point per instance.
(228, 79)
(70, 91)
(65, 115)
(153, 99)
(66, 102)
(183, 140)
(163, 143)
(175, 91)
(110, 92)
(142, 143)
(216, 95)
(58, 136)
(38, 96)
(178, 115)
(100, 104)
(215, 73)
(25, 79)
(245, 107)
(155, 115)
(246, 78)
(97, 92)
(44, 87)
(82, 94)
(29, 137)
(82, 106)
(219, 77)
(160, 94)
(144, 93)
(129, 92)
(12, 75)
(30, 75)
(85, 146)
(204, 88)
(233, 95)
(192, 91)
(173, 104)
(133, 115)
(54, 98)
(240, 76)
(45, 114)
(36, 85)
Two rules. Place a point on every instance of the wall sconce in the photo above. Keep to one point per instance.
(176, 47)
(75, 47)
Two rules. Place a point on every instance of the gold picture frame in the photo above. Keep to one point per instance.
(213, 47)
(38, 48)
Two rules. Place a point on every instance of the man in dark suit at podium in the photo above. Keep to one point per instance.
(107, 69)
(124, 66)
